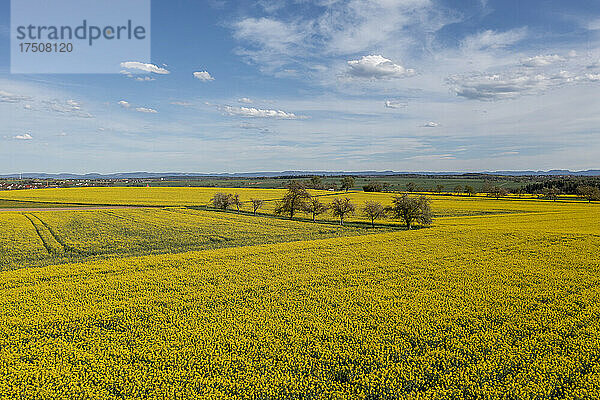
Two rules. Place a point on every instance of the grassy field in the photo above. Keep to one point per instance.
(499, 299)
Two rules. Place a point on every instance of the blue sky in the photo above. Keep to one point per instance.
(404, 85)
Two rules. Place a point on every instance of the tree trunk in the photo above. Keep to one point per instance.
(373, 222)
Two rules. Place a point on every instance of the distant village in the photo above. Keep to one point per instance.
(22, 184)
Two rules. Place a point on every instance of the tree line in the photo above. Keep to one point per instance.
(409, 209)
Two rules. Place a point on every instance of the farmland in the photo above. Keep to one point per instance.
(40, 238)
(497, 299)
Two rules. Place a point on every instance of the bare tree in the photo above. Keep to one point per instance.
(235, 200)
(458, 189)
(294, 200)
(342, 207)
(347, 183)
(412, 210)
(256, 204)
(469, 190)
(314, 207)
(373, 210)
(222, 201)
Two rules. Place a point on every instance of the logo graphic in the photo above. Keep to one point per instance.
(78, 36)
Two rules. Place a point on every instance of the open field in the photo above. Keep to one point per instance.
(443, 205)
(45, 237)
(498, 299)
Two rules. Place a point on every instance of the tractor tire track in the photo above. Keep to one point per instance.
(47, 245)
(65, 246)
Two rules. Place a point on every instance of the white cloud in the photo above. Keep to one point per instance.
(62, 134)
(144, 79)
(594, 65)
(146, 110)
(134, 65)
(491, 40)
(126, 104)
(203, 76)
(245, 100)
(365, 24)
(395, 104)
(6, 97)
(182, 103)
(272, 43)
(338, 28)
(377, 67)
(542, 61)
(27, 106)
(25, 136)
(509, 85)
(431, 124)
(68, 107)
(594, 25)
(260, 113)
(247, 126)
(591, 77)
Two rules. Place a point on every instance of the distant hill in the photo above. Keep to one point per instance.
(147, 175)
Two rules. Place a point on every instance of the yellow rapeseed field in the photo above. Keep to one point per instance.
(36, 238)
(500, 302)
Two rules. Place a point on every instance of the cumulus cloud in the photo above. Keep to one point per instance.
(508, 86)
(395, 104)
(124, 104)
(203, 76)
(259, 113)
(25, 136)
(542, 61)
(146, 110)
(245, 100)
(377, 67)
(138, 66)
